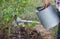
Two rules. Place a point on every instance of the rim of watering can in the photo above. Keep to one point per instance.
(42, 8)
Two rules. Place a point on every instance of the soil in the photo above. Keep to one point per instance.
(25, 33)
(37, 32)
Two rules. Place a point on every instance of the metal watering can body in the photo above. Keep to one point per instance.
(48, 17)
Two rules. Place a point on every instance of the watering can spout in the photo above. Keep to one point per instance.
(47, 16)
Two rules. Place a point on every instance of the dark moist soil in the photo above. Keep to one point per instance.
(24, 33)
(37, 32)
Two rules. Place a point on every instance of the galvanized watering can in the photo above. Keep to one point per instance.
(47, 16)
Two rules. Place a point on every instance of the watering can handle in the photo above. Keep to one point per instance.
(46, 3)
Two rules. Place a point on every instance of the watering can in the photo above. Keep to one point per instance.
(47, 16)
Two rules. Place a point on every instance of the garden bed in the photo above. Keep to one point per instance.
(37, 32)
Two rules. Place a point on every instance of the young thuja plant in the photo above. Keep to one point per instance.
(12, 7)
